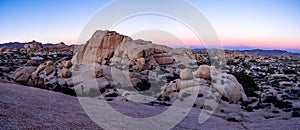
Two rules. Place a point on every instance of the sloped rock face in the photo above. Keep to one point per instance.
(107, 47)
(101, 47)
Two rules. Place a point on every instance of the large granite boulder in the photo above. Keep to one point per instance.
(231, 89)
(186, 74)
(203, 72)
(101, 47)
(23, 74)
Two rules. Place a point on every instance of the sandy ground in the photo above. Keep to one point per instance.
(24, 107)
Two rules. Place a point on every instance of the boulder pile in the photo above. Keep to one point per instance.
(136, 68)
(112, 65)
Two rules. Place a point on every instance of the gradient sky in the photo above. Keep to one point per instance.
(267, 24)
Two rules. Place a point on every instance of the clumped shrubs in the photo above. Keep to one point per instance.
(248, 84)
(278, 103)
(295, 114)
(249, 108)
(289, 71)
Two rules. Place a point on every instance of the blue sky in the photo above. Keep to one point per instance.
(238, 23)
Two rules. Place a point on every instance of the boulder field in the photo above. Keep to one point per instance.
(112, 65)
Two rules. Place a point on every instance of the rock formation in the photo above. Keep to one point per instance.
(144, 66)
(32, 47)
(122, 66)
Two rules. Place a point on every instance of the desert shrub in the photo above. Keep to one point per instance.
(200, 95)
(296, 114)
(289, 71)
(252, 61)
(270, 71)
(249, 108)
(248, 83)
(246, 65)
(271, 99)
(232, 120)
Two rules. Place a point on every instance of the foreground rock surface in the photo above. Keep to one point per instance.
(31, 108)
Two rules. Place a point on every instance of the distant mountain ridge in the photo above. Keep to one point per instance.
(20, 45)
(12, 45)
(260, 52)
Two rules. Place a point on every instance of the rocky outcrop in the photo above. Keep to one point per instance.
(116, 61)
(38, 48)
(32, 47)
(143, 65)
(228, 85)
(106, 47)
(101, 47)
(47, 75)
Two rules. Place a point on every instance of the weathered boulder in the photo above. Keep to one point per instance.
(231, 89)
(36, 82)
(68, 64)
(135, 82)
(165, 60)
(98, 72)
(141, 61)
(49, 63)
(31, 63)
(41, 67)
(23, 74)
(186, 74)
(101, 47)
(139, 67)
(103, 83)
(203, 72)
(48, 70)
(66, 73)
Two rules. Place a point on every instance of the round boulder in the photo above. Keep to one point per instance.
(203, 72)
(66, 73)
(67, 64)
(49, 63)
(186, 74)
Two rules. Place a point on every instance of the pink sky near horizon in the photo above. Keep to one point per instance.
(266, 24)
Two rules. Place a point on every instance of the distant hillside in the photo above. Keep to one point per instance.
(20, 45)
(259, 52)
(12, 44)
